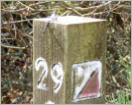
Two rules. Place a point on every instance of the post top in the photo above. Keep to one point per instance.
(67, 20)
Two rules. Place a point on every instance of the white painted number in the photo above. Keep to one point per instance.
(56, 73)
(40, 62)
(57, 76)
(49, 102)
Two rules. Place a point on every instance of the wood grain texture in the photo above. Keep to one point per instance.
(51, 47)
(86, 43)
(68, 44)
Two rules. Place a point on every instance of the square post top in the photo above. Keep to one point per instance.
(70, 20)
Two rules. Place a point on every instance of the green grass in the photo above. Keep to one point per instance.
(122, 95)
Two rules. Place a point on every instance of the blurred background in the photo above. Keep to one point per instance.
(17, 38)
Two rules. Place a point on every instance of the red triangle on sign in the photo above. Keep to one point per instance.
(91, 89)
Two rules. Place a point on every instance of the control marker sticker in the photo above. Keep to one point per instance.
(87, 80)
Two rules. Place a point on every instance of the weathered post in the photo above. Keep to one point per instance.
(69, 61)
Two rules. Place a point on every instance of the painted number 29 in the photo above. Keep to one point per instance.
(56, 74)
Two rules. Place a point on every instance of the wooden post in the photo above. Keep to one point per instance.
(69, 61)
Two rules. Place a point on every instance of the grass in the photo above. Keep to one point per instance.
(122, 95)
